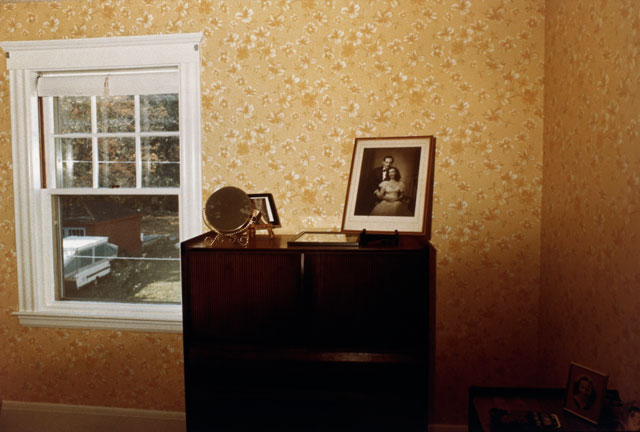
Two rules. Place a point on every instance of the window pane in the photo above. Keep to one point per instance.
(159, 113)
(72, 114)
(74, 161)
(117, 162)
(160, 162)
(116, 114)
(119, 248)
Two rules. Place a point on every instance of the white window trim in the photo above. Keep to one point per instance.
(37, 303)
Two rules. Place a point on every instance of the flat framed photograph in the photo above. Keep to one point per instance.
(390, 186)
(585, 392)
(324, 238)
(266, 205)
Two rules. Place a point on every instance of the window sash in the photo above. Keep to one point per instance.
(52, 165)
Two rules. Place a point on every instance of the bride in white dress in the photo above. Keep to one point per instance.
(391, 192)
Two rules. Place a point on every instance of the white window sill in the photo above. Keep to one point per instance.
(86, 315)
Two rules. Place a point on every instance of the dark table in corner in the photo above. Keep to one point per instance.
(549, 400)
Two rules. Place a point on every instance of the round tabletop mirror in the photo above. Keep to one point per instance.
(228, 210)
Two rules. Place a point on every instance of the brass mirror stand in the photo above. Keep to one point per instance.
(267, 226)
(242, 238)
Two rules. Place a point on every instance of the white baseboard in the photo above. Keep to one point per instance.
(46, 417)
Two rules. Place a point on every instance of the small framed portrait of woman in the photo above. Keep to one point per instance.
(390, 186)
(585, 392)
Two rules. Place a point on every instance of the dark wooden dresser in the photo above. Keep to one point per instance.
(307, 338)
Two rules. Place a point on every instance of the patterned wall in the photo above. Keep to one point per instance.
(591, 206)
(287, 86)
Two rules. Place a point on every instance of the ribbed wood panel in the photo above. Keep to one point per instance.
(244, 297)
(377, 301)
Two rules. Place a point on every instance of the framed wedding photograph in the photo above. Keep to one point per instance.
(265, 204)
(390, 186)
(585, 392)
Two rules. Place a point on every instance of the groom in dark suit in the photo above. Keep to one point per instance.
(366, 199)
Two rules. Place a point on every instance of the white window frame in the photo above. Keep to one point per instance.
(34, 233)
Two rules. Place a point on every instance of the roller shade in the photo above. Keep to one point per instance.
(109, 83)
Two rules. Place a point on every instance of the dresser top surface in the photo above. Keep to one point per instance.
(280, 242)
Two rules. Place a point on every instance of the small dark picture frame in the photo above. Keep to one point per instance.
(266, 205)
(585, 392)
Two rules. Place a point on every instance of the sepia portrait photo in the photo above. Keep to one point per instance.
(585, 392)
(389, 185)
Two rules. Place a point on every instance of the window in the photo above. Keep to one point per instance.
(127, 143)
(106, 151)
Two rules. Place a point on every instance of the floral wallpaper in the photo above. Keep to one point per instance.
(591, 200)
(286, 87)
